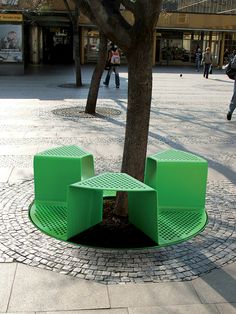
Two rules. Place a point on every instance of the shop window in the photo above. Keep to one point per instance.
(197, 36)
(173, 51)
(91, 45)
(215, 36)
(187, 36)
(57, 45)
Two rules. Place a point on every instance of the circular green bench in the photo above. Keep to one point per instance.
(169, 207)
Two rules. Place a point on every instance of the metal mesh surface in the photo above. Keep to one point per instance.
(176, 155)
(177, 225)
(114, 181)
(51, 219)
(173, 225)
(64, 151)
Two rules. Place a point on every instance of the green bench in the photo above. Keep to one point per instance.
(169, 206)
(180, 179)
(55, 169)
(85, 202)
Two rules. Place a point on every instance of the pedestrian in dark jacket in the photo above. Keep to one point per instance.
(206, 61)
(198, 58)
(232, 104)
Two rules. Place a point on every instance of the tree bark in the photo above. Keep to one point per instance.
(138, 115)
(97, 75)
(76, 51)
(136, 41)
(78, 78)
(138, 111)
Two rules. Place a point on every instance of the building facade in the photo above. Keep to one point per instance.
(43, 31)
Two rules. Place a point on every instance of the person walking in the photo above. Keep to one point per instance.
(198, 58)
(232, 104)
(206, 61)
(114, 62)
(226, 56)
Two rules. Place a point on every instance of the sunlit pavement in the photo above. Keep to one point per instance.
(42, 110)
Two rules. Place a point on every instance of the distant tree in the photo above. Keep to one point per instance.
(74, 18)
(136, 40)
(100, 65)
(96, 77)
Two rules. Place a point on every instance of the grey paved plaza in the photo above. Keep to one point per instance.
(39, 274)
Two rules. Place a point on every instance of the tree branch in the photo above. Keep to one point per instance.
(146, 9)
(105, 14)
(110, 21)
(85, 9)
(145, 15)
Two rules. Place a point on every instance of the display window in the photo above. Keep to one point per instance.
(11, 43)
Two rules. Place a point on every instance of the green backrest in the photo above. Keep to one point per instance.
(57, 168)
(179, 177)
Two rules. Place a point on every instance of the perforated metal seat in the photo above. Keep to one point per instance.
(180, 179)
(56, 168)
(85, 202)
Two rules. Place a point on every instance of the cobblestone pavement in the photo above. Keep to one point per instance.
(188, 113)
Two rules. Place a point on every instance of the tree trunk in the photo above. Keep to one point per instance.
(78, 78)
(97, 75)
(138, 115)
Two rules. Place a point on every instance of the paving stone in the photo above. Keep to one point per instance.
(152, 271)
(183, 123)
